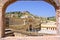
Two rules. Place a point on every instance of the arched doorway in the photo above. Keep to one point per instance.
(8, 2)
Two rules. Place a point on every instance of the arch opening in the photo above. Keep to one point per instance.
(4, 8)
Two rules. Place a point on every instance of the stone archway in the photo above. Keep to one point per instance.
(5, 3)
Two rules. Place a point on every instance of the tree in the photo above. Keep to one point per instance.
(19, 14)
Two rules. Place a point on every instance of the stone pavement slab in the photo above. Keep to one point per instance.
(33, 38)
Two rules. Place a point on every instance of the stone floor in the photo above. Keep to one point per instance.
(56, 37)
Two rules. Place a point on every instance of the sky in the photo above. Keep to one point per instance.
(38, 8)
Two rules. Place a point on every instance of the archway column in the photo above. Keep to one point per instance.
(1, 24)
(2, 19)
(58, 20)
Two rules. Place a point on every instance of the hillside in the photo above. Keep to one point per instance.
(53, 18)
(19, 14)
(22, 20)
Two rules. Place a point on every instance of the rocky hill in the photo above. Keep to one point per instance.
(19, 14)
(23, 20)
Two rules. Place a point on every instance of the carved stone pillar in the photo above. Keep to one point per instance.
(58, 20)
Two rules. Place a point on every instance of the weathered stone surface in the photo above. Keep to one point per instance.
(33, 38)
(58, 20)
